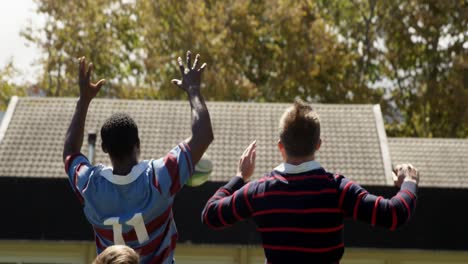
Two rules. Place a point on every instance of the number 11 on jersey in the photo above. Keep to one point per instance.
(136, 222)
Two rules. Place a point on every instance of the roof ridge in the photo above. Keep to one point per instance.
(383, 143)
(426, 139)
(7, 117)
(31, 98)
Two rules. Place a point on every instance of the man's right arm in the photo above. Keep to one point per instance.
(202, 132)
(232, 202)
(391, 213)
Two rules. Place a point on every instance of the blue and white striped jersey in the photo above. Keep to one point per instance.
(135, 209)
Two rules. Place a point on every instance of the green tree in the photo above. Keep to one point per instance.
(426, 54)
(105, 31)
(7, 87)
(409, 56)
(419, 48)
(272, 50)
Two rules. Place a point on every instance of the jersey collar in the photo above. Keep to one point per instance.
(294, 169)
(136, 171)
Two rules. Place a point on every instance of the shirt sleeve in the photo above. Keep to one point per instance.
(356, 202)
(78, 169)
(173, 170)
(229, 204)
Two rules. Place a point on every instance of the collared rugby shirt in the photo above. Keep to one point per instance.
(299, 211)
(136, 209)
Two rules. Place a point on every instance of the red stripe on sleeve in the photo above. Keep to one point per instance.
(356, 205)
(69, 159)
(224, 191)
(246, 196)
(409, 193)
(234, 210)
(155, 180)
(207, 221)
(394, 217)
(343, 194)
(182, 147)
(170, 161)
(374, 211)
(220, 214)
(406, 205)
(75, 187)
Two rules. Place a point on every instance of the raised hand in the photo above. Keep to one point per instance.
(191, 76)
(247, 162)
(88, 90)
(405, 172)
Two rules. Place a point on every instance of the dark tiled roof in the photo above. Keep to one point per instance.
(441, 162)
(32, 144)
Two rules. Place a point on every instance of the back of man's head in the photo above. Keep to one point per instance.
(119, 135)
(299, 130)
(117, 254)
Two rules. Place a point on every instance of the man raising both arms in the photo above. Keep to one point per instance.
(131, 202)
(299, 207)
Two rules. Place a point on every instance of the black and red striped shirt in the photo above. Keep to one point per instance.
(299, 211)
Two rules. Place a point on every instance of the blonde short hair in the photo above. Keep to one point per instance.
(118, 254)
(299, 130)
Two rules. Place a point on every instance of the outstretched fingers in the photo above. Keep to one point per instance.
(248, 151)
(100, 83)
(251, 152)
(81, 70)
(176, 82)
(181, 66)
(189, 59)
(89, 72)
(195, 63)
(202, 67)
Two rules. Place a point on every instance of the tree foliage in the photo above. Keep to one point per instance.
(419, 47)
(7, 87)
(407, 55)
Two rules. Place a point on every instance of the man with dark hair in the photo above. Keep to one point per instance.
(130, 203)
(299, 207)
(119, 135)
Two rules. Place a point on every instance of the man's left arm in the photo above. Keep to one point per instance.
(391, 213)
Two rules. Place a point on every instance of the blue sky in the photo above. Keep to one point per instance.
(14, 16)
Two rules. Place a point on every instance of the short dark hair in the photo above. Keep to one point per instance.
(119, 135)
(299, 130)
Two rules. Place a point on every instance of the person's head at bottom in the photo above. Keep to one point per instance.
(117, 254)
